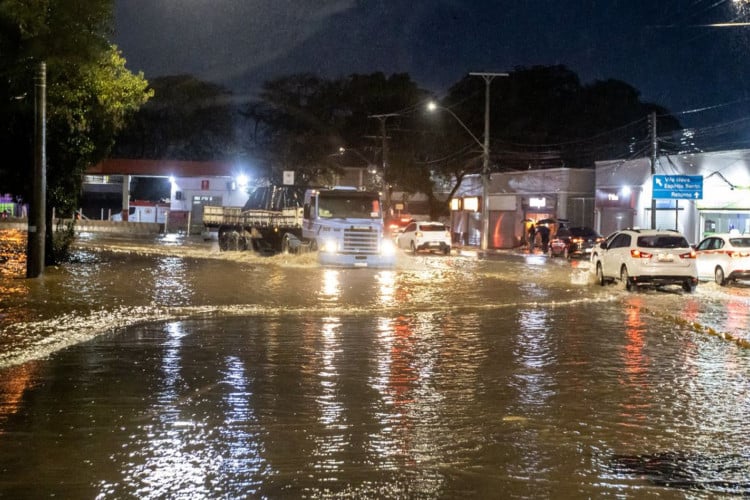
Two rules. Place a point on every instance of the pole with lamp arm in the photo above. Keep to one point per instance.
(485, 145)
(488, 77)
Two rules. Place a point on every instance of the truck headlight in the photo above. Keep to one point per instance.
(387, 247)
(329, 246)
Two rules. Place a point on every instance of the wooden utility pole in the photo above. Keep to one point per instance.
(386, 187)
(654, 155)
(488, 77)
(37, 223)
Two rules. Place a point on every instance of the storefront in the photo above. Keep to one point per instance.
(624, 194)
(518, 198)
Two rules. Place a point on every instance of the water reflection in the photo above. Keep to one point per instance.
(14, 383)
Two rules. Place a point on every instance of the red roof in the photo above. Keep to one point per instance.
(163, 168)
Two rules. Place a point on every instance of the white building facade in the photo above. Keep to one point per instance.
(624, 191)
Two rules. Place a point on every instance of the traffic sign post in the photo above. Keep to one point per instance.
(678, 187)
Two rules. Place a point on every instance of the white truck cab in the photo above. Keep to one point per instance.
(345, 226)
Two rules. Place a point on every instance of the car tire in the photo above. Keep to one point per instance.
(688, 286)
(600, 274)
(566, 253)
(719, 276)
(625, 282)
(447, 251)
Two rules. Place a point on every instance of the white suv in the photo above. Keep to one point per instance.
(650, 257)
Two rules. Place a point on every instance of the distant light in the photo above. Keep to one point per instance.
(471, 204)
(432, 106)
(242, 180)
(626, 191)
(171, 179)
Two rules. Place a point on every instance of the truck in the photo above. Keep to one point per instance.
(344, 225)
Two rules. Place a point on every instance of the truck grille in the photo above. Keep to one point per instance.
(360, 241)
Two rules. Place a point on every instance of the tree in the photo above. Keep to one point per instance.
(303, 120)
(187, 119)
(543, 117)
(90, 93)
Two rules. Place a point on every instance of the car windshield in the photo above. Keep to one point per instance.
(662, 241)
(349, 206)
(432, 227)
(740, 242)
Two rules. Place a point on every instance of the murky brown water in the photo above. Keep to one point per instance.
(166, 369)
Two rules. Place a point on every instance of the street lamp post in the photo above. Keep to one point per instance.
(485, 145)
(488, 77)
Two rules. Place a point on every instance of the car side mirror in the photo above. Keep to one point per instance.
(603, 245)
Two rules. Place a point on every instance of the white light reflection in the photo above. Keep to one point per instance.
(176, 453)
(387, 288)
(331, 286)
(330, 444)
(171, 282)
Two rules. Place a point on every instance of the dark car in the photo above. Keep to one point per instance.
(574, 242)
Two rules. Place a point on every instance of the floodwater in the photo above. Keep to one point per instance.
(166, 369)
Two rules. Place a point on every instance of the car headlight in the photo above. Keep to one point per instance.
(329, 246)
(387, 247)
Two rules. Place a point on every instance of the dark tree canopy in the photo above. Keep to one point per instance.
(187, 119)
(89, 92)
(544, 117)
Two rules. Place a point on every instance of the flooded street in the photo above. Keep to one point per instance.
(166, 369)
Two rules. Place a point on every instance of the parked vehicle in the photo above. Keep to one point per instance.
(724, 258)
(430, 236)
(646, 257)
(574, 242)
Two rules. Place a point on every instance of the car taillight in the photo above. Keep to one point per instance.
(418, 234)
(688, 255)
(448, 234)
(735, 253)
(638, 254)
(576, 240)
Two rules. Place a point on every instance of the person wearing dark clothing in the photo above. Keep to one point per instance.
(532, 235)
(544, 234)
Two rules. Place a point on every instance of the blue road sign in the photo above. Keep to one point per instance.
(678, 187)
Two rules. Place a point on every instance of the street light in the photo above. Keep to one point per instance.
(488, 77)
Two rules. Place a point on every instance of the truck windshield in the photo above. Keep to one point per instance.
(348, 206)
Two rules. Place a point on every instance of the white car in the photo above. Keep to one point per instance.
(646, 257)
(431, 236)
(724, 257)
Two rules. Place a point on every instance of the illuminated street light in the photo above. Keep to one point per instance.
(488, 77)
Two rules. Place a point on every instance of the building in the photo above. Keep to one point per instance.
(518, 198)
(624, 191)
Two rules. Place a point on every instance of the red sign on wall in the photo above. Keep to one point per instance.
(204, 184)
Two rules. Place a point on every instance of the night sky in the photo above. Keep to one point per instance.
(676, 52)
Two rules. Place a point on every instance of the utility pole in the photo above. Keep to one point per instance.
(37, 227)
(654, 155)
(386, 187)
(488, 77)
